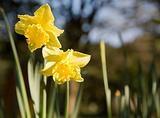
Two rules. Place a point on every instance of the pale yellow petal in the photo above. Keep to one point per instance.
(80, 59)
(44, 14)
(47, 70)
(51, 54)
(68, 55)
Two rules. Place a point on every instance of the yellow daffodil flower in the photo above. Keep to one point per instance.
(64, 66)
(39, 29)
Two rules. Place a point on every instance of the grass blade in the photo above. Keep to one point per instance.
(104, 67)
(126, 90)
(44, 97)
(52, 101)
(34, 78)
(20, 75)
(105, 78)
(20, 103)
(157, 104)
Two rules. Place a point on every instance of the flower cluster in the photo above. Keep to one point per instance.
(40, 31)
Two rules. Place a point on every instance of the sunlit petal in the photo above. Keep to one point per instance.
(53, 42)
(57, 31)
(52, 54)
(44, 14)
(80, 59)
(47, 70)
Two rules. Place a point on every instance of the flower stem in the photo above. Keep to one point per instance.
(20, 75)
(52, 101)
(77, 103)
(105, 78)
(44, 96)
(67, 102)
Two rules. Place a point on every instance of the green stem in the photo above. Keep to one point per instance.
(52, 101)
(78, 102)
(57, 109)
(44, 98)
(20, 78)
(104, 67)
(105, 78)
(67, 102)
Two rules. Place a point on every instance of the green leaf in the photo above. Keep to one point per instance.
(19, 70)
(52, 99)
(34, 78)
(20, 103)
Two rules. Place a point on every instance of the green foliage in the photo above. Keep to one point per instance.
(34, 79)
(22, 90)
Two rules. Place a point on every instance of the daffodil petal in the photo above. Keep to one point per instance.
(53, 42)
(44, 14)
(57, 31)
(80, 59)
(47, 71)
(68, 54)
(51, 54)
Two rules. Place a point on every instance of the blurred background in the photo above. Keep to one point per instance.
(131, 31)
